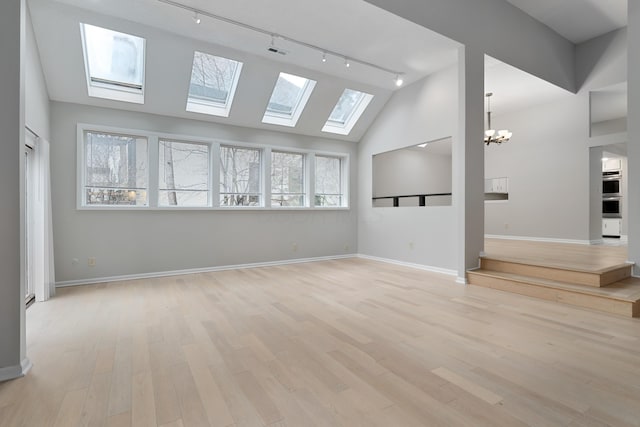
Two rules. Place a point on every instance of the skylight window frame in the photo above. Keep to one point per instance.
(345, 128)
(108, 89)
(289, 120)
(213, 108)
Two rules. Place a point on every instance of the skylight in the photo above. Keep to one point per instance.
(213, 84)
(347, 111)
(114, 63)
(289, 97)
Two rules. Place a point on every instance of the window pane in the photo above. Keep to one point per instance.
(213, 81)
(287, 94)
(116, 169)
(183, 174)
(287, 179)
(347, 112)
(240, 176)
(345, 106)
(114, 57)
(328, 181)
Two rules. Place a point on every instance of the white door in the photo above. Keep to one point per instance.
(28, 212)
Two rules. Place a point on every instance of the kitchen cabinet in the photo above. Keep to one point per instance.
(611, 227)
(610, 165)
(496, 185)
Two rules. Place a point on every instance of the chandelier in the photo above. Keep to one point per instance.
(491, 135)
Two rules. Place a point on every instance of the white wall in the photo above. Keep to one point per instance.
(36, 97)
(547, 160)
(424, 111)
(136, 242)
(497, 28)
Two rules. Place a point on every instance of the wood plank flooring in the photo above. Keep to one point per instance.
(561, 255)
(338, 343)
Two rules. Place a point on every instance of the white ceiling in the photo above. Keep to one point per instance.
(577, 20)
(359, 30)
(514, 89)
(353, 28)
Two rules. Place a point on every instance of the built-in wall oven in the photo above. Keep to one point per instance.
(611, 194)
(611, 181)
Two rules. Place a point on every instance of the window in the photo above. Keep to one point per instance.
(289, 97)
(114, 63)
(328, 182)
(115, 170)
(183, 173)
(240, 170)
(347, 111)
(213, 84)
(287, 179)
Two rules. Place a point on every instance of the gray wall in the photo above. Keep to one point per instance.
(137, 242)
(412, 170)
(12, 331)
(547, 160)
(36, 97)
(424, 111)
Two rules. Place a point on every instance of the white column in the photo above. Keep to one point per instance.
(13, 361)
(633, 129)
(469, 160)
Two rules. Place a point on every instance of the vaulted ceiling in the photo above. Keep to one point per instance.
(354, 28)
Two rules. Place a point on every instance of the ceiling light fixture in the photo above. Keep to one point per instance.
(281, 37)
(347, 63)
(399, 80)
(491, 135)
(324, 57)
(196, 18)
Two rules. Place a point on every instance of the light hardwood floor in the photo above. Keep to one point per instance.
(337, 343)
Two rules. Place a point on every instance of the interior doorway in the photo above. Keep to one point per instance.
(29, 197)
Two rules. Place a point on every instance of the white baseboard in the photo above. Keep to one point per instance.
(537, 239)
(125, 277)
(16, 371)
(411, 265)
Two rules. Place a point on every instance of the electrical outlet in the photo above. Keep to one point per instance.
(294, 247)
(346, 246)
(91, 262)
(506, 225)
(411, 245)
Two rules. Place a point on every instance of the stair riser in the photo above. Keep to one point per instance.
(550, 273)
(622, 308)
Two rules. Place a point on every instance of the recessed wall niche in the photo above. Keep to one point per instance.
(413, 176)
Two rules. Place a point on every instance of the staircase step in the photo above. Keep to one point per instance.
(593, 278)
(621, 298)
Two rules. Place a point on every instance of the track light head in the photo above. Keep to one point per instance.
(399, 81)
(347, 63)
(324, 57)
(196, 18)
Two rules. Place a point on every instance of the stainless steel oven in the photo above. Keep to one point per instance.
(611, 207)
(611, 184)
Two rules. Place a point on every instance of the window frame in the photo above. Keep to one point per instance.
(115, 91)
(153, 138)
(82, 170)
(165, 138)
(211, 108)
(344, 180)
(280, 119)
(331, 126)
(305, 179)
(261, 173)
